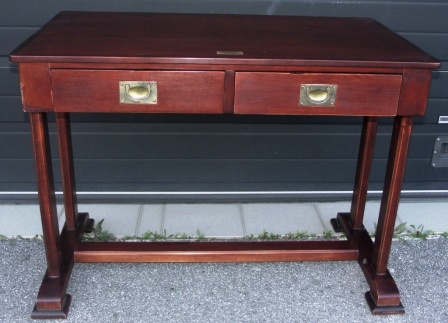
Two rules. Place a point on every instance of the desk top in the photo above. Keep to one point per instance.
(153, 38)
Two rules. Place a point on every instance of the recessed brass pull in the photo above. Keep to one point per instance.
(229, 52)
(136, 92)
(318, 94)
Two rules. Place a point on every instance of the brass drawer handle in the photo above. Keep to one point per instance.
(318, 94)
(136, 92)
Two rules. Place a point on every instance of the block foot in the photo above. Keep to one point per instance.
(89, 226)
(335, 224)
(43, 314)
(383, 310)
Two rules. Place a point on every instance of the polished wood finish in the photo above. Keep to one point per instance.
(215, 251)
(52, 300)
(391, 192)
(177, 91)
(67, 170)
(45, 186)
(229, 89)
(365, 157)
(33, 77)
(383, 297)
(220, 64)
(147, 38)
(278, 93)
(416, 83)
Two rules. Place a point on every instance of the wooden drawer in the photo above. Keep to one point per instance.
(280, 93)
(99, 91)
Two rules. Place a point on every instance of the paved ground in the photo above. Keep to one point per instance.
(244, 292)
(225, 220)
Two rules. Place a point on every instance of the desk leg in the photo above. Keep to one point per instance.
(52, 300)
(391, 192)
(67, 170)
(45, 187)
(388, 211)
(365, 156)
(384, 297)
(364, 165)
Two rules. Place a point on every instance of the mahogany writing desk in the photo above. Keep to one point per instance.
(216, 64)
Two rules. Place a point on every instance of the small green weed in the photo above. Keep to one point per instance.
(98, 234)
(419, 232)
(129, 237)
(268, 235)
(19, 237)
(251, 237)
(150, 235)
(400, 230)
(327, 234)
(297, 235)
(154, 235)
(181, 236)
(199, 235)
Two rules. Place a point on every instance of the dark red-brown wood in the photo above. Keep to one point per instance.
(177, 92)
(365, 157)
(67, 170)
(220, 64)
(215, 251)
(35, 85)
(52, 299)
(278, 93)
(229, 89)
(45, 187)
(416, 87)
(193, 38)
(383, 297)
(401, 135)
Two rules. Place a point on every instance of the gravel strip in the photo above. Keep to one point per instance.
(229, 292)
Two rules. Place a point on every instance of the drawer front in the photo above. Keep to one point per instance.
(317, 94)
(138, 91)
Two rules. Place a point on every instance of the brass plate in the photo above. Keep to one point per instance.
(229, 52)
(138, 92)
(318, 94)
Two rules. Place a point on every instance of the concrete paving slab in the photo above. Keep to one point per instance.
(23, 220)
(151, 219)
(212, 220)
(20, 220)
(328, 211)
(431, 215)
(281, 218)
(119, 219)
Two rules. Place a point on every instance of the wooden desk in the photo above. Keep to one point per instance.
(216, 64)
